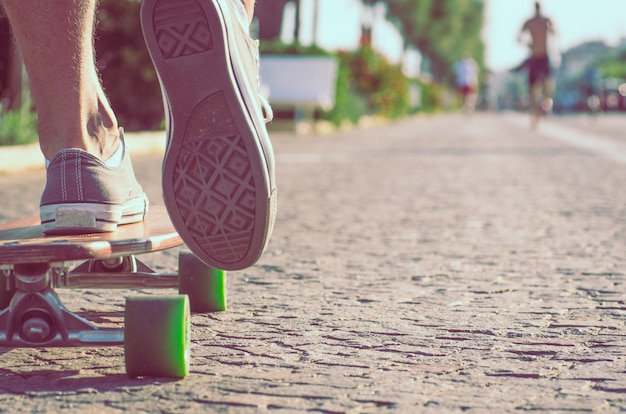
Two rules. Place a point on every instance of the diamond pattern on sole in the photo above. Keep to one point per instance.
(214, 184)
(181, 28)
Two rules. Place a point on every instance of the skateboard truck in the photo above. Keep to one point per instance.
(36, 316)
(155, 334)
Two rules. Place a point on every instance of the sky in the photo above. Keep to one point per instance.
(576, 21)
(339, 23)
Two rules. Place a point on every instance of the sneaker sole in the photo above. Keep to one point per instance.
(216, 184)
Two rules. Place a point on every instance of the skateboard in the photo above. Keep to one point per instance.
(156, 331)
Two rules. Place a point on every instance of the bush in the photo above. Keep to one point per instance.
(18, 128)
(350, 105)
(432, 96)
(383, 85)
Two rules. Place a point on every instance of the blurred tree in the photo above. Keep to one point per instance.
(10, 69)
(613, 65)
(127, 72)
(443, 30)
(5, 42)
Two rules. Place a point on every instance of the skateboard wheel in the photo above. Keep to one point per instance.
(205, 286)
(156, 336)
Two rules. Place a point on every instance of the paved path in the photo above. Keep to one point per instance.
(443, 264)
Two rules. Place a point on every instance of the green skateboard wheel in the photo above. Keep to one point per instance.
(156, 336)
(205, 286)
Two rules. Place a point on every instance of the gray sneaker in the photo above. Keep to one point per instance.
(218, 171)
(84, 195)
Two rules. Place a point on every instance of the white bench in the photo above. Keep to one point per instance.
(302, 83)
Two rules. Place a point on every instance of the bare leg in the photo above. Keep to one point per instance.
(56, 42)
(470, 102)
(536, 92)
(546, 104)
(249, 5)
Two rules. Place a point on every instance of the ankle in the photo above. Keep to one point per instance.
(104, 142)
(96, 139)
(95, 130)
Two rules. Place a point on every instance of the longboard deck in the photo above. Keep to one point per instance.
(23, 241)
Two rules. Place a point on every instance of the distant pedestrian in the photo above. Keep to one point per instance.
(538, 65)
(590, 90)
(466, 72)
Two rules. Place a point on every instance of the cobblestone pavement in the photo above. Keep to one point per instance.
(438, 264)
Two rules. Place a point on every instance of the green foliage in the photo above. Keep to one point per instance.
(19, 127)
(383, 85)
(432, 96)
(279, 48)
(128, 75)
(614, 66)
(350, 105)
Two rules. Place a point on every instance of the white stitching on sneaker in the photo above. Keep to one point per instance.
(63, 188)
(79, 178)
(268, 113)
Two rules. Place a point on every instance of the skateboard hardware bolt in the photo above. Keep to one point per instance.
(36, 329)
(112, 263)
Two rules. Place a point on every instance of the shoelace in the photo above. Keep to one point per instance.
(268, 113)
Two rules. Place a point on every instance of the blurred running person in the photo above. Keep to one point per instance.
(466, 71)
(539, 28)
